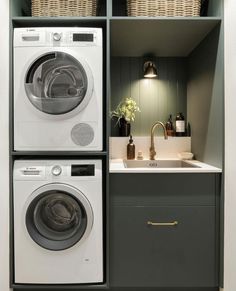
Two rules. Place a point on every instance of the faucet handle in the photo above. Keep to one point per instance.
(152, 153)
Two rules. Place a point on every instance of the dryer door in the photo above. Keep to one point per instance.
(58, 216)
(57, 83)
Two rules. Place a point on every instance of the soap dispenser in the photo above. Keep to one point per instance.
(170, 127)
(130, 149)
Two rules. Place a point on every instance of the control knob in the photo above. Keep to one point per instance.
(56, 36)
(56, 170)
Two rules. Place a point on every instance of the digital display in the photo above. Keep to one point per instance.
(82, 37)
(82, 170)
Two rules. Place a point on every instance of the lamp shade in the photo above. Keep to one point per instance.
(150, 70)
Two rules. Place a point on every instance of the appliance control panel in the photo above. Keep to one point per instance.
(73, 38)
(57, 36)
(57, 170)
(74, 170)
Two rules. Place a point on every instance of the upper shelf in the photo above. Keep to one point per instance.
(159, 36)
(113, 7)
(28, 21)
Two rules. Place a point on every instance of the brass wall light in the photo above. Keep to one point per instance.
(149, 69)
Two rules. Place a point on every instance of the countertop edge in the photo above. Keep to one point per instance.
(117, 166)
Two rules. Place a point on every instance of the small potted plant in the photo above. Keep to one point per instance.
(125, 113)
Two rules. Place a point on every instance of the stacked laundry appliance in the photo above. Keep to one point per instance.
(58, 203)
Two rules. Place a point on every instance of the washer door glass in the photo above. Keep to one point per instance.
(56, 83)
(56, 220)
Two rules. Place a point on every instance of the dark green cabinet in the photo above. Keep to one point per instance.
(181, 253)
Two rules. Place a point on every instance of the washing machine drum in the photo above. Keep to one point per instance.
(57, 83)
(58, 217)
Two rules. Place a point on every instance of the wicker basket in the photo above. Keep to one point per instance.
(64, 7)
(154, 8)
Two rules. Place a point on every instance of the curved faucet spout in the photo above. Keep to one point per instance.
(152, 148)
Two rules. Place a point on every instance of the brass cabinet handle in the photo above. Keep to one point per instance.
(162, 223)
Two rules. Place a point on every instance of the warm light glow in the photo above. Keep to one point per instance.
(150, 70)
(150, 76)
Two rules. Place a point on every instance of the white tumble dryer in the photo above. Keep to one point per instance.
(58, 222)
(58, 89)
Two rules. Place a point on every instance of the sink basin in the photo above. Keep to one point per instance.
(158, 164)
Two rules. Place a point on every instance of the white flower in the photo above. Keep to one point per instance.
(126, 109)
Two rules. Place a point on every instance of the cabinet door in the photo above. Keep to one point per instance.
(163, 256)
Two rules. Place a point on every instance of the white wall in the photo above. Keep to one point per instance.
(230, 149)
(4, 188)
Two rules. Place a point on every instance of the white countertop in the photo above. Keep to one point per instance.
(117, 166)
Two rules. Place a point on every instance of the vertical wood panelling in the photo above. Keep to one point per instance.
(115, 65)
(135, 92)
(181, 74)
(125, 77)
(157, 98)
(173, 99)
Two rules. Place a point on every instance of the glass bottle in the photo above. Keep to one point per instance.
(130, 149)
(169, 126)
(180, 125)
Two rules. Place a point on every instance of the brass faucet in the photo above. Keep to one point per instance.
(152, 148)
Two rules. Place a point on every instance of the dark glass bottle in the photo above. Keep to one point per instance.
(170, 127)
(130, 149)
(180, 125)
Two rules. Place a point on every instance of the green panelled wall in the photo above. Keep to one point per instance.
(157, 98)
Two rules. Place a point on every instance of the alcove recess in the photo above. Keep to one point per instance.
(188, 53)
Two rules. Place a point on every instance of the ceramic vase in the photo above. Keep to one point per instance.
(124, 127)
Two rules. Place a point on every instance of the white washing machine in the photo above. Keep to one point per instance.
(58, 89)
(58, 222)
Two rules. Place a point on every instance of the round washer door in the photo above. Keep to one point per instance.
(57, 83)
(58, 216)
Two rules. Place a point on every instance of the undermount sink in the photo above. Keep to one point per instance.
(158, 164)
